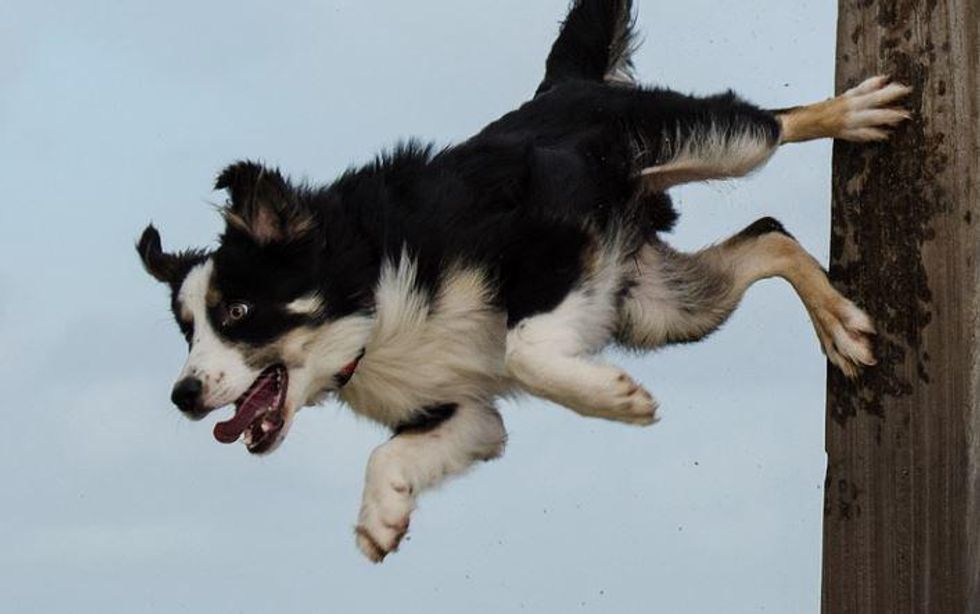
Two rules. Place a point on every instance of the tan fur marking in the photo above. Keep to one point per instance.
(266, 227)
(862, 113)
(235, 220)
(843, 329)
(814, 121)
(213, 297)
(683, 297)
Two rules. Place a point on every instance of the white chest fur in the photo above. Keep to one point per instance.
(423, 352)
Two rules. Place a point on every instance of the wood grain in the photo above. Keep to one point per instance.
(902, 496)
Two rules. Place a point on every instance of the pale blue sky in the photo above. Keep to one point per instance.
(116, 113)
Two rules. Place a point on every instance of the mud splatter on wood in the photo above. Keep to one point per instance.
(902, 496)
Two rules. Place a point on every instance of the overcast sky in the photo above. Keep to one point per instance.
(113, 114)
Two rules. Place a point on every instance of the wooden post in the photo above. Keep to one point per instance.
(902, 506)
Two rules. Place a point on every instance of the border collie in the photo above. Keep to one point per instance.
(420, 288)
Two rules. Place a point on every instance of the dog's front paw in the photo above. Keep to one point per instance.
(610, 393)
(868, 114)
(384, 518)
(630, 402)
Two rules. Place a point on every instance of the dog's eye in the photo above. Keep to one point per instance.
(237, 312)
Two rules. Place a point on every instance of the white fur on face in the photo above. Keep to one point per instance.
(416, 352)
(220, 367)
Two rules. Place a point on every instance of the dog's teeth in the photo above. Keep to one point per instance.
(248, 437)
(267, 426)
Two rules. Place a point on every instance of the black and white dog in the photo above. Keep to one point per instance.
(422, 287)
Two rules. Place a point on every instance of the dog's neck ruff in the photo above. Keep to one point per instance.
(343, 376)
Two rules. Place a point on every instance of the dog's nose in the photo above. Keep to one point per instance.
(187, 395)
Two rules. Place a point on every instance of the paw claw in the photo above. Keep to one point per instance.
(868, 112)
(369, 546)
(385, 517)
(613, 395)
(631, 403)
(845, 332)
(869, 85)
(600, 391)
(377, 546)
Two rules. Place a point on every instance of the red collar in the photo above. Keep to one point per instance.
(343, 376)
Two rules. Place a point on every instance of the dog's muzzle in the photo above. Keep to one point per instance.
(186, 395)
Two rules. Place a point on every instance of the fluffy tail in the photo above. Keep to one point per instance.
(596, 44)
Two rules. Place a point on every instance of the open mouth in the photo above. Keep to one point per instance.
(258, 413)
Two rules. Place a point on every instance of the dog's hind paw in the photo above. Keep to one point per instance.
(868, 114)
(845, 332)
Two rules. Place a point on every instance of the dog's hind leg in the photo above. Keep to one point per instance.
(676, 297)
(862, 113)
(693, 139)
(419, 457)
(723, 137)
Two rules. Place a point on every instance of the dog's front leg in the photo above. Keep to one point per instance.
(418, 458)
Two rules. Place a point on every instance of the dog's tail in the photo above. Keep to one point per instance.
(596, 43)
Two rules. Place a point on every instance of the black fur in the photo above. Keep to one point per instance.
(170, 269)
(427, 419)
(525, 200)
(764, 226)
(275, 274)
(165, 267)
(595, 38)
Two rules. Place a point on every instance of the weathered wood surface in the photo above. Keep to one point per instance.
(902, 507)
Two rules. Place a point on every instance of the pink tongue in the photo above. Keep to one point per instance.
(259, 399)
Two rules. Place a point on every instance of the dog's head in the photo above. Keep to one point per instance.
(257, 324)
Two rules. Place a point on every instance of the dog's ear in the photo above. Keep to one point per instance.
(263, 204)
(168, 268)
